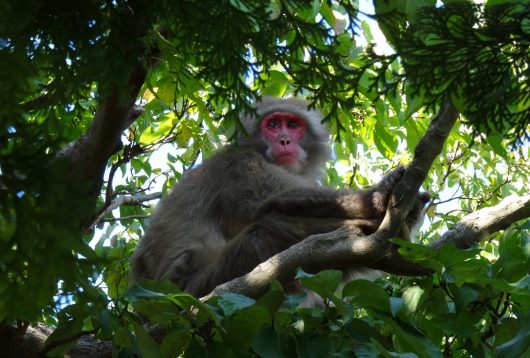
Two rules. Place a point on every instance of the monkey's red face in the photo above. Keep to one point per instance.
(283, 132)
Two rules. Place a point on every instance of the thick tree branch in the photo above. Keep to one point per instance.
(87, 157)
(468, 231)
(482, 223)
(84, 160)
(316, 252)
(425, 153)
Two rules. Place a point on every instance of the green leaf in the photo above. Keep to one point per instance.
(495, 140)
(345, 44)
(525, 25)
(507, 329)
(273, 299)
(122, 338)
(8, 226)
(407, 340)
(365, 293)
(267, 343)
(232, 302)
(512, 262)
(310, 345)
(463, 296)
(414, 5)
(152, 133)
(434, 40)
(274, 9)
(195, 348)
(457, 26)
(65, 332)
(367, 31)
(414, 101)
(138, 291)
(158, 311)
(366, 83)
(323, 282)
(240, 5)
(393, 18)
(276, 84)
(396, 304)
(518, 346)
(147, 345)
(308, 13)
(175, 342)
(166, 90)
(243, 327)
(327, 14)
(462, 266)
(413, 135)
(385, 141)
(361, 331)
(412, 297)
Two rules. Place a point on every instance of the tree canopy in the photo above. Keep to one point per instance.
(105, 104)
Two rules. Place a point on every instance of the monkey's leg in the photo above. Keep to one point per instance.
(260, 241)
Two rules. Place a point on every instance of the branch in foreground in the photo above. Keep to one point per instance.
(316, 252)
(87, 157)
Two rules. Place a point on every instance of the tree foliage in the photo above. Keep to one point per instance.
(478, 54)
(103, 105)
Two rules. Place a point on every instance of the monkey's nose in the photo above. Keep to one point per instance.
(285, 141)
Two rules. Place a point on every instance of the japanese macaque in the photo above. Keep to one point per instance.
(253, 200)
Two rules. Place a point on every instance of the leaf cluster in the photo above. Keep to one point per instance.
(475, 304)
(477, 54)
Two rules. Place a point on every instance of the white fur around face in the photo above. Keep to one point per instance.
(316, 146)
(297, 106)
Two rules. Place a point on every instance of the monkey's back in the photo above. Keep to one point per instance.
(209, 206)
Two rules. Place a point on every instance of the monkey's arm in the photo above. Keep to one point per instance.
(327, 202)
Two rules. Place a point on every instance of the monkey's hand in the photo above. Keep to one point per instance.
(381, 192)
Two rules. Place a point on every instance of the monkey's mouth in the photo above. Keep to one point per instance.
(285, 158)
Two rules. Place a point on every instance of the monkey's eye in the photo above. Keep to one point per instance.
(272, 125)
(293, 124)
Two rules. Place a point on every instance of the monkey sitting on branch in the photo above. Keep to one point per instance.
(253, 200)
